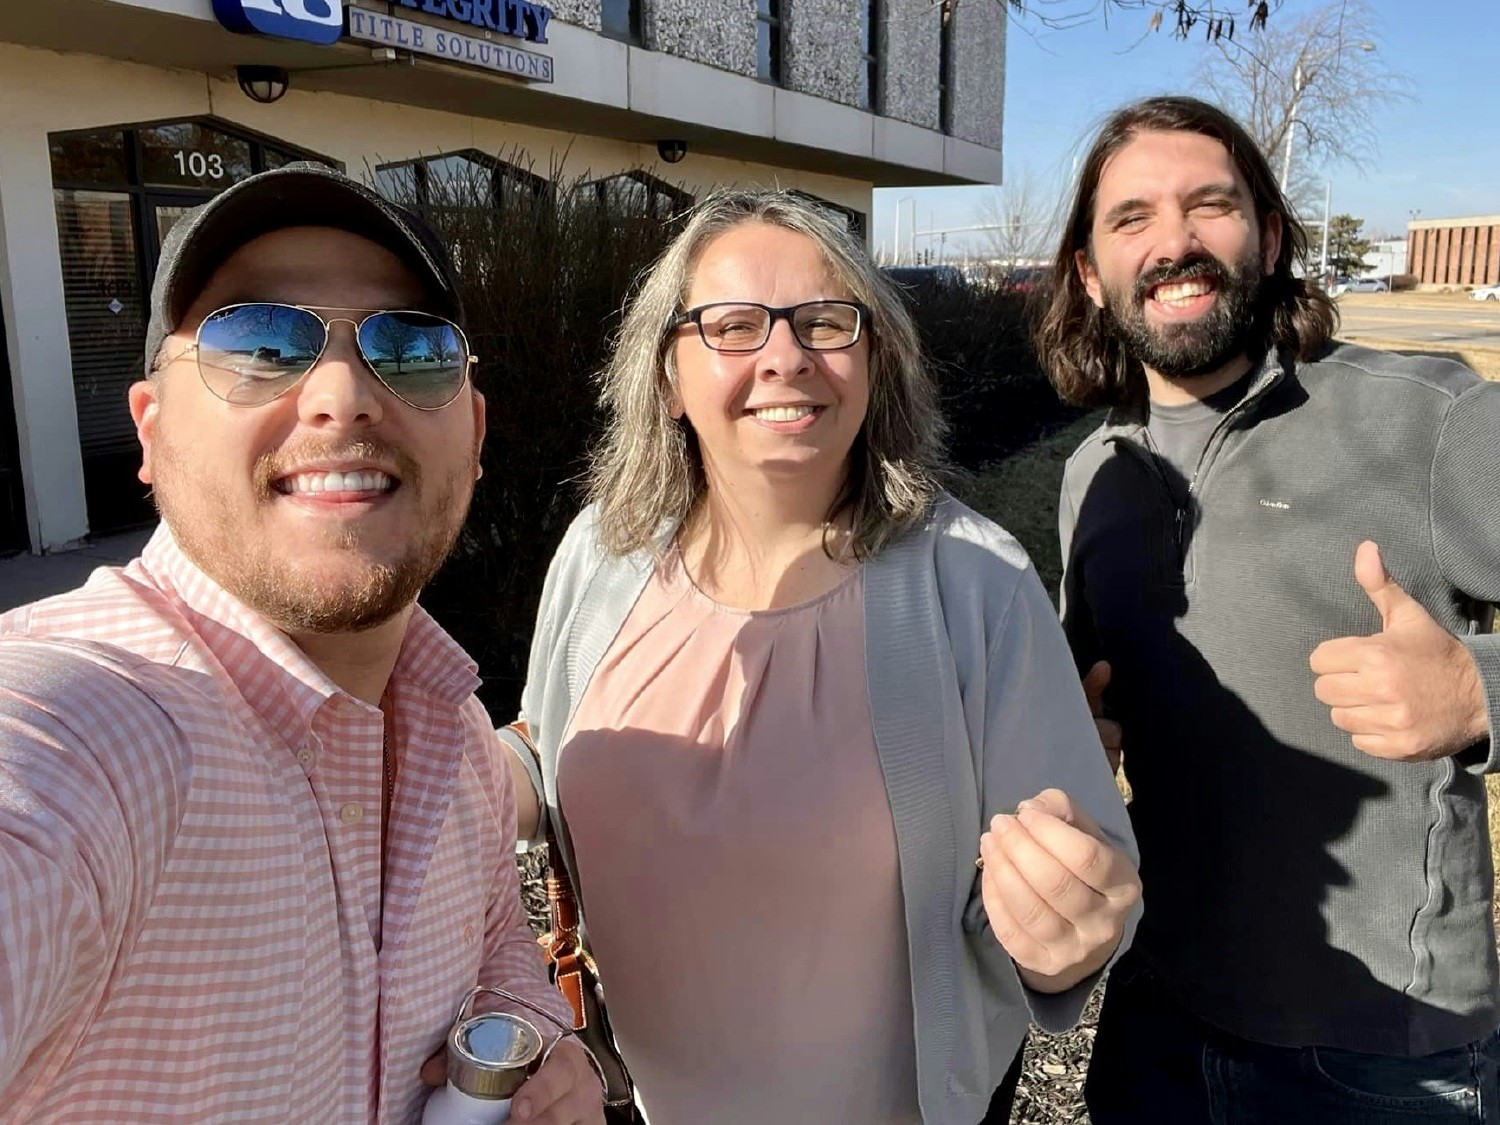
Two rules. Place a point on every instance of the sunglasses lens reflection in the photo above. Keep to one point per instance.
(421, 358)
(249, 354)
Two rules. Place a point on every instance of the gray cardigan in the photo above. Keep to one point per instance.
(975, 705)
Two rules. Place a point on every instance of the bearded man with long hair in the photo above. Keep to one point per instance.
(1280, 553)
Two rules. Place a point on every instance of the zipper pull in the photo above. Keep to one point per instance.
(1181, 515)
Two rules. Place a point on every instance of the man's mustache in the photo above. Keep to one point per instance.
(1191, 268)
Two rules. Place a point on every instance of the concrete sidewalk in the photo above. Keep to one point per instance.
(26, 578)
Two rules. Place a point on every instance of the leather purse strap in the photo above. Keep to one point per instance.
(561, 941)
(574, 972)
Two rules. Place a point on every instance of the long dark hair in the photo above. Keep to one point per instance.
(1082, 357)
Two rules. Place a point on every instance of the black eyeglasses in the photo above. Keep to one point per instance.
(744, 326)
(251, 354)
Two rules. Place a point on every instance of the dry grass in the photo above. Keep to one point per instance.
(1486, 361)
(1020, 494)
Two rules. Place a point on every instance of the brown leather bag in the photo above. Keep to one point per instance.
(577, 977)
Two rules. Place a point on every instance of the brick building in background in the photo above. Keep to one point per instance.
(1453, 252)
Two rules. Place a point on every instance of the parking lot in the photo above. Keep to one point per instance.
(1450, 319)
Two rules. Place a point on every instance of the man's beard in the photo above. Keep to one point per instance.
(1189, 348)
(274, 587)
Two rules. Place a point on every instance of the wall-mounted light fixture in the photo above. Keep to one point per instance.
(263, 84)
(671, 151)
(267, 84)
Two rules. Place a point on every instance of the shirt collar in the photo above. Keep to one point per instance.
(276, 677)
(1128, 421)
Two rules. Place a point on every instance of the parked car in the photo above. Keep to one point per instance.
(1026, 279)
(1343, 285)
(917, 277)
(1485, 293)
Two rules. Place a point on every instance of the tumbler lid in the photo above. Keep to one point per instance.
(490, 1055)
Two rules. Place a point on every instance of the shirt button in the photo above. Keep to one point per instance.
(305, 758)
(351, 813)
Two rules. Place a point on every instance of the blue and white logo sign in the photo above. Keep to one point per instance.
(311, 21)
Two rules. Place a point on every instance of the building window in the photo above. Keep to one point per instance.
(621, 19)
(768, 40)
(116, 194)
(945, 67)
(638, 193)
(467, 178)
(869, 38)
(854, 220)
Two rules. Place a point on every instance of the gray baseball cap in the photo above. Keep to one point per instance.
(295, 195)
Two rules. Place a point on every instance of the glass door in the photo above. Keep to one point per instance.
(104, 290)
(166, 215)
(163, 210)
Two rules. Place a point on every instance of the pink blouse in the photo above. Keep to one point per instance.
(737, 862)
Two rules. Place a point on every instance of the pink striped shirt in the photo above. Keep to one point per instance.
(190, 900)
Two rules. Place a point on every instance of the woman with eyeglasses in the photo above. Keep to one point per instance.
(787, 693)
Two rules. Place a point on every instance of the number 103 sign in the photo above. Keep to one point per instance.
(311, 21)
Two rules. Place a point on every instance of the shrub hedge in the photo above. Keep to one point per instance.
(993, 391)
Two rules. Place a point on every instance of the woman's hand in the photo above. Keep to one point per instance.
(1056, 891)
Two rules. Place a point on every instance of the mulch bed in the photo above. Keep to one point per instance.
(1050, 1091)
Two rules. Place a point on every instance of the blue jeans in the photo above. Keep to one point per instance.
(1154, 1063)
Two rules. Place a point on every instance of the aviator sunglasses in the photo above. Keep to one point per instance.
(250, 354)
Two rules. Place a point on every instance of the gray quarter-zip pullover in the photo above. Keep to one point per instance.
(1297, 890)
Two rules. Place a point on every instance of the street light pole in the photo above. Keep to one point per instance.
(898, 249)
(1291, 130)
(1327, 209)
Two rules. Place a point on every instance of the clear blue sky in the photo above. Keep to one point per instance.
(1439, 151)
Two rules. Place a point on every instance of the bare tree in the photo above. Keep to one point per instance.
(395, 341)
(1021, 221)
(306, 337)
(1312, 89)
(1215, 20)
(441, 345)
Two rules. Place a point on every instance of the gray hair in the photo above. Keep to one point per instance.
(648, 470)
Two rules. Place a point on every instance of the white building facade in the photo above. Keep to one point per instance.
(117, 115)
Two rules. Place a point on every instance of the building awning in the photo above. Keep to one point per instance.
(601, 87)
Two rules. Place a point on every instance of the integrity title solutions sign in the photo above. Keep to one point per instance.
(327, 21)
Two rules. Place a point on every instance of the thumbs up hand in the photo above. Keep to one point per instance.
(1410, 692)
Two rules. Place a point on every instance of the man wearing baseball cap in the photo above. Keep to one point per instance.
(256, 833)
